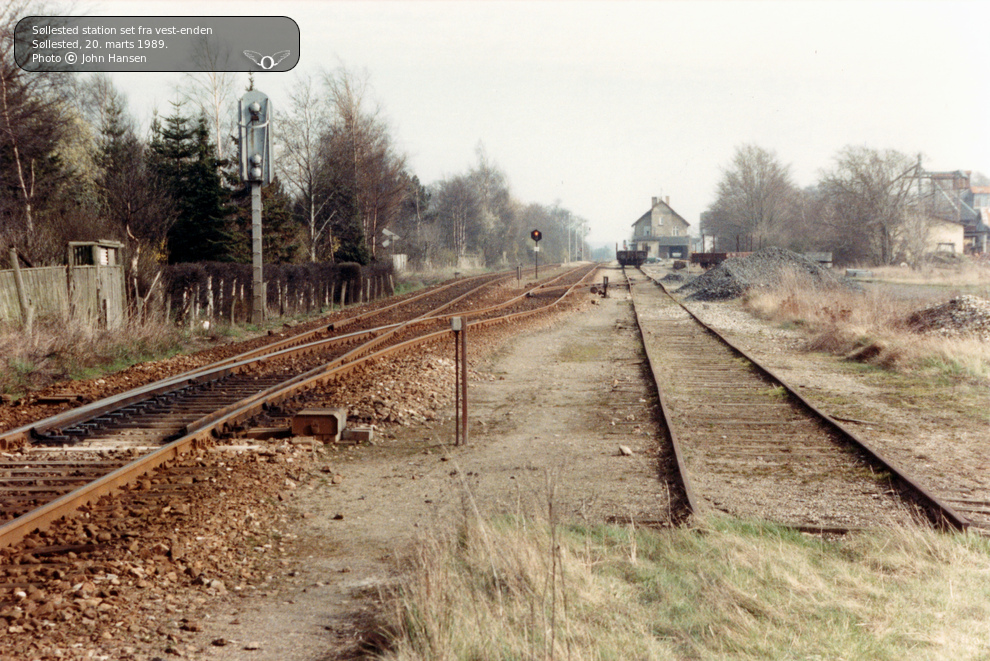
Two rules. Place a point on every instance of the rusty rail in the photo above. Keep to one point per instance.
(292, 346)
(203, 430)
(694, 503)
(939, 511)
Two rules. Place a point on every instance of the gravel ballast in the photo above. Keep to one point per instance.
(764, 269)
(961, 316)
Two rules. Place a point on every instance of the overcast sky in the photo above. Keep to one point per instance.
(602, 105)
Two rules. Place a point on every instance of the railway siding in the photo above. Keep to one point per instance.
(747, 445)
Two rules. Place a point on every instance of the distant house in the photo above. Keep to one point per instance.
(977, 230)
(954, 199)
(662, 232)
(946, 236)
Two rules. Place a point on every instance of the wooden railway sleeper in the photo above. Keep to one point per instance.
(938, 510)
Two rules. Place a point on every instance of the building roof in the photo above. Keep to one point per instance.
(649, 214)
(980, 190)
(646, 216)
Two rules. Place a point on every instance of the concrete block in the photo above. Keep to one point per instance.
(359, 435)
(324, 424)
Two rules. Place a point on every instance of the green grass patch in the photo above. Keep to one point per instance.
(778, 392)
(725, 588)
(932, 387)
(118, 359)
(407, 286)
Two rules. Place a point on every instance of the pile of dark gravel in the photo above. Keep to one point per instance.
(960, 316)
(673, 277)
(764, 269)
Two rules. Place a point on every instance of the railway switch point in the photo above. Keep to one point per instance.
(325, 424)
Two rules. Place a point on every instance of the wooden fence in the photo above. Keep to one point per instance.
(92, 293)
(221, 292)
(192, 292)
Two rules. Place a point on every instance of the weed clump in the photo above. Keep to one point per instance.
(722, 588)
(878, 328)
(61, 349)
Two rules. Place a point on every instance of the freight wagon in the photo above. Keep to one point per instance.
(630, 257)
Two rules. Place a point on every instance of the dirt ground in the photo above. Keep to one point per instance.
(548, 412)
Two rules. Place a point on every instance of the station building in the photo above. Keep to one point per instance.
(661, 232)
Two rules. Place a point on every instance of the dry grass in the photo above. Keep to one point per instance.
(868, 327)
(59, 349)
(521, 588)
(961, 273)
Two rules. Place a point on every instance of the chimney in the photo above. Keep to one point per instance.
(655, 200)
(667, 201)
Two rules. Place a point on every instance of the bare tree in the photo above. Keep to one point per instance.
(212, 90)
(34, 125)
(359, 150)
(454, 202)
(870, 193)
(916, 236)
(754, 201)
(133, 202)
(302, 128)
(496, 224)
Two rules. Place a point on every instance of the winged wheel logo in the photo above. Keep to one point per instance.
(266, 62)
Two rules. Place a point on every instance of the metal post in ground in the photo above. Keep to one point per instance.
(536, 235)
(464, 380)
(455, 325)
(254, 142)
(257, 279)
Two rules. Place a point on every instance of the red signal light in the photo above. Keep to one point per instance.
(536, 235)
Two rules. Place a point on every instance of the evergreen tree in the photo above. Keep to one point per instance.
(350, 244)
(281, 236)
(185, 158)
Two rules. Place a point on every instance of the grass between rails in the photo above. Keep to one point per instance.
(521, 588)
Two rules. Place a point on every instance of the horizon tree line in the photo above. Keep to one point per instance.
(75, 168)
(868, 207)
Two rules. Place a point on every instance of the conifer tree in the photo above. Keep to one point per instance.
(282, 235)
(185, 158)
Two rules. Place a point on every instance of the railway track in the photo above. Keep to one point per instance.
(748, 444)
(74, 458)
